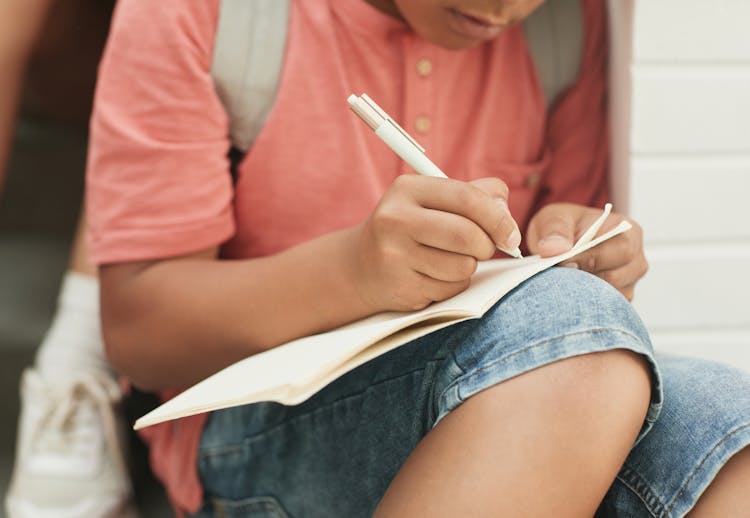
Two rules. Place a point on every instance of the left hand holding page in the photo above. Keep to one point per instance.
(620, 261)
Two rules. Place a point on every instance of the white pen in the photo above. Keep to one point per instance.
(400, 142)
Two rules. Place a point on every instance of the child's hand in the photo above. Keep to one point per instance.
(619, 261)
(422, 242)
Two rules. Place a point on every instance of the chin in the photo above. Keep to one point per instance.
(456, 42)
(452, 40)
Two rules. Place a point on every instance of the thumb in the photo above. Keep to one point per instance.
(552, 231)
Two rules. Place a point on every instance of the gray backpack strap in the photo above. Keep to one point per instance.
(247, 61)
(554, 34)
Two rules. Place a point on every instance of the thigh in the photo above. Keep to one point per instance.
(332, 455)
(705, 420)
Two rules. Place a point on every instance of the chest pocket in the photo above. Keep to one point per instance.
(519, 176)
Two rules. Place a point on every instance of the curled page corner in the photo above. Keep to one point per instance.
(594, 228)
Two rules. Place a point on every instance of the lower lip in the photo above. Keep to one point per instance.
(471, 27)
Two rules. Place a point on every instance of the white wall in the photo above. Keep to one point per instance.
(681, 166)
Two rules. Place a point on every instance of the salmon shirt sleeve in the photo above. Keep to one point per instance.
(577, 128)
(158, 181)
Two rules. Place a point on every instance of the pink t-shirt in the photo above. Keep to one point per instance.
(158, 180)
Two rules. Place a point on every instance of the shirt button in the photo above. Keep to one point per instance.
(424, 67)
(423, 124)
(532, 180)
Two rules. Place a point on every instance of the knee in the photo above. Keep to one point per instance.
(586, 410)
(610, 389)
(564, 301)
(583, 332)
(604, 400)
(593, 407)
(578, 293)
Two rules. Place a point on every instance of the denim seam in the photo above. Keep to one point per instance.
(238, 447)
(647, 495)
(703, 461)
(436, 400)
(526, 348)
(220, 450)
(644, 496)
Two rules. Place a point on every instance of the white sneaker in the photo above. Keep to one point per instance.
(69, 456)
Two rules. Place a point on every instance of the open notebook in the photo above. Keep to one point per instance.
(293, 372)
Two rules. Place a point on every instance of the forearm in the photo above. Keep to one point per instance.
(172, 323)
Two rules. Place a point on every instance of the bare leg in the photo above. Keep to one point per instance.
(728, 493)
(78, 261)
(547, 443)
(20, 21)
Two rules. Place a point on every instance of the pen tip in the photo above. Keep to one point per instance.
(516, 252)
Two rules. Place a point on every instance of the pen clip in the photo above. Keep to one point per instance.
(372, 104)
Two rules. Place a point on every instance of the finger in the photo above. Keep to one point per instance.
(451, 233)
(552, 232)
(493, 186)
(498, 191)
(626, 276)
(613, 254)
(441, 265)
(469, 201)
(628, 292)
(436, 291)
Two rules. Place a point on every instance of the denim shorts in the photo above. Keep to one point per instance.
(335, 454)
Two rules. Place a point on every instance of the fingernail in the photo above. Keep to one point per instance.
(501, 201)
(556, 240)
(514, 239)
(573, 265)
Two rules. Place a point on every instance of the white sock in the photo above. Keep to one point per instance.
(73, 344)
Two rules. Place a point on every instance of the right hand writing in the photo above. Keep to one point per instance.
(422, 242)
